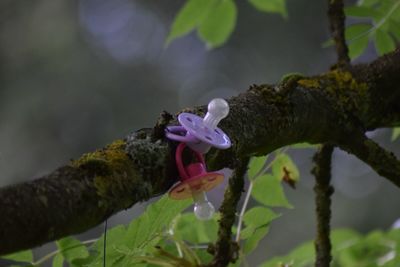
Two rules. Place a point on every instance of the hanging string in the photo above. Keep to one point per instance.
(105, 244)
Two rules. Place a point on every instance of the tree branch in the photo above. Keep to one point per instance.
(383, 162)
(226, 250)
(317, 109)
(323, 158)
(82, 194)
(323, 191)
(337, 26)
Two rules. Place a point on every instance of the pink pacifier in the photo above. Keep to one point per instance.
(195, 181)
(200, 134)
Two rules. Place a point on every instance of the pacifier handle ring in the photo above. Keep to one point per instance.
(179, 163)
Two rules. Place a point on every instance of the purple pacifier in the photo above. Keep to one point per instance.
(200, 134)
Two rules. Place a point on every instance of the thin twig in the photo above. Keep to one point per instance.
(323, 191)
(323, 157)
(337, 26)
(225, 249)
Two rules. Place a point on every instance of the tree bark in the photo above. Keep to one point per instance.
(327, 108)
(323, 191)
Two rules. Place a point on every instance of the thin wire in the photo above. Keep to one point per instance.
(246, 201)
(105, 244)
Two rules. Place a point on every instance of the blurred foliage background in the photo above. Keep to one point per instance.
(77, 74)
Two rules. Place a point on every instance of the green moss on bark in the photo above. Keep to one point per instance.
(113, 156)
(309, 83)
(111, 166)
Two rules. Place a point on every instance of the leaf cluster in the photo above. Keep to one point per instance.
(378, 21)
(215, 20)
(349, 248)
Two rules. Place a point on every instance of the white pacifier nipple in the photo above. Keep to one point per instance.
(218, 109)
(203, 209)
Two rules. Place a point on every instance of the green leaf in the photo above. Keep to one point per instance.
(349, 248)
(364, 251)
(268, 190)
(203, 255)
(342, 236)
(396, 14)
(357, 37)
(356, 31)
(23, 256)
(144, 230)
(284, 161)
(285, 169)
(303, 145)
(92, 260)
(385, 16)
(187, 252)
(384, 43)
(272, 6)
(259, 216)
(255, 166)
(394, 29)
(140, 237)
(361, 11)
(58, 261)
(71, 249)
(114, 237)
(256, 220)
(219, 23)
(252, 242)
(191, 229)
(189, 17)
(395, 133)
(302, 256)
(389, 12)
(358, 46)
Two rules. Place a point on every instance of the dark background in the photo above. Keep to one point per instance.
(76, 75)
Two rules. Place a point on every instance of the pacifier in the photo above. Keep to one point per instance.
(195, 181)
(200, 134)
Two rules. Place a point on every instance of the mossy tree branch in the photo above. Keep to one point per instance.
(323, 158)
(323, 191)
(318, 109)
(225, 250)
